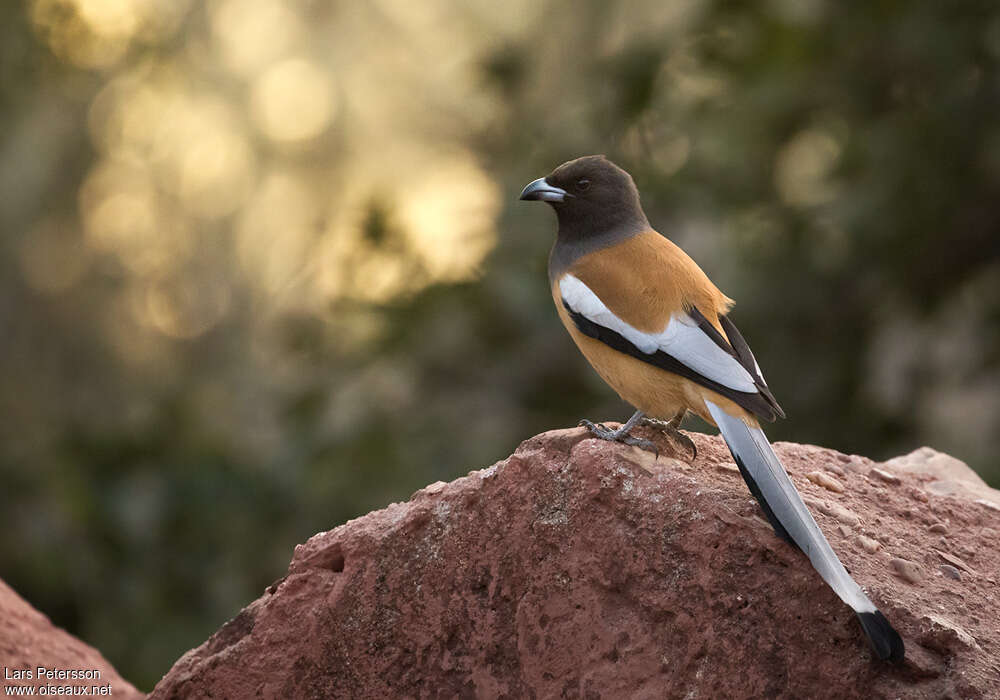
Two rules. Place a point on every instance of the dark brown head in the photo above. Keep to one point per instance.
(592, 197)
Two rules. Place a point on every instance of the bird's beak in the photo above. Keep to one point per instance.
(541, 190)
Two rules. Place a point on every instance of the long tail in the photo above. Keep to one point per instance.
(792, 521)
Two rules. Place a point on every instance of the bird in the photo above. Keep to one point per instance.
(657, 330)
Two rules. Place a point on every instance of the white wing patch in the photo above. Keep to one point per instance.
(681, 339)
(756, 368)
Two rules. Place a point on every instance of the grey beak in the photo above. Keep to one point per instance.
(541, 190)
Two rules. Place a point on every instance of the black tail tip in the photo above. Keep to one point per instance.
(885, 640)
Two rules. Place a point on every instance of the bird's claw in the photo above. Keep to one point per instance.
(598, 429)
(669, 427)
(602, 432)
(686, 441)
(642, 444)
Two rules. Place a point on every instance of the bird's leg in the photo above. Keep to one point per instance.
(670, 427)
(622, 434)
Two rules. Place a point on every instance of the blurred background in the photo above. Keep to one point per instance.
(263, 268)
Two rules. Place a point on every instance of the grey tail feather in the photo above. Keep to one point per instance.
(783, 506)
(779, 529)
(885, 640)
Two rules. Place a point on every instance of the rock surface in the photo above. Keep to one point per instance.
(582, 569)
(28, 640)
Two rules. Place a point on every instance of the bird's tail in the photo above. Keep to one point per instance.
(792, 521)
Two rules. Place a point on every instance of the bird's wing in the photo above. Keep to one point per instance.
(733, 343)
(687, 345)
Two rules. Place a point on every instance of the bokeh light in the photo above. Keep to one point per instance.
(293, 101)
(98, 33)
(803, 165)
(252, 34)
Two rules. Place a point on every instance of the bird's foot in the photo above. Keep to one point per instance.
(601, 431)
(678, 437)
(657, 423)
(670, 429)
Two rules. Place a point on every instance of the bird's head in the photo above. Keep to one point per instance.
(590, 195)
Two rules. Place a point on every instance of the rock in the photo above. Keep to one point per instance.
(868, 544)
(954, 561)
(581, 568)
(836, 510)
(950, 571)
(936, 464)
(918, 495)
(992, 505)
(885, 476)
(906, 570)
(942, 633)
(29, 641)
(946, 475)
(826, 481)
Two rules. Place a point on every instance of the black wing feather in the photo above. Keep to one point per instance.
(755, 402)
(735, 345)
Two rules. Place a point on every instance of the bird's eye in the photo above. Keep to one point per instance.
(583, 185)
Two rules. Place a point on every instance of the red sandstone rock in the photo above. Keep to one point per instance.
(28, 640)
(582, 569)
